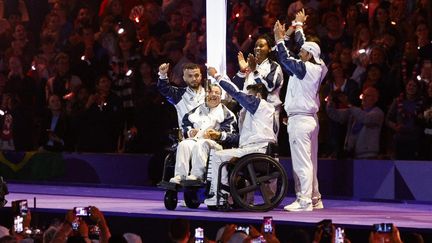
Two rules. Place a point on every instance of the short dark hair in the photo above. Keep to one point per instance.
(191, 66)
(179, 229)
(259, 88)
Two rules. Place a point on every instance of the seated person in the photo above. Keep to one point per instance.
(364, 124)
(204, 127)
(256, 126)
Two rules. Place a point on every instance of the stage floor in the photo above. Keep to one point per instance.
(149, 203)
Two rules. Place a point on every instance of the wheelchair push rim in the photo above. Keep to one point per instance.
(258, 183)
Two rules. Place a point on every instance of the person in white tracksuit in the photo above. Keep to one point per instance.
(302, 105)
(256, 129)
(262, 68)
(184, 99)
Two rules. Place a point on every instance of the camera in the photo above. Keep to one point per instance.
(82, 211)
(383, 228)
(20, 207)
(244, 229)
(268, 225)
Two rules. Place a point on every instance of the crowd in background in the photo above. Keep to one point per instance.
(81, 75)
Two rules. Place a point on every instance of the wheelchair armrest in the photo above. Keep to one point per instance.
(272, 149)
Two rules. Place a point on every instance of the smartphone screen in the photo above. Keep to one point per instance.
(339, 235)
(75, 224)
(81, 211)
(383, 228)
(244, 229)
(23, 207)
(18, 224)
(199, 235)
(268, 224)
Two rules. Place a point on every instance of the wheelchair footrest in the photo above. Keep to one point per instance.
(168, 185)
(192, 183)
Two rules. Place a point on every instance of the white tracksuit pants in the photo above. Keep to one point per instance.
(218, 157)
(303, 140)
(196, 151)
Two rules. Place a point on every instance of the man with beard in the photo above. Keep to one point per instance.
(184, 99)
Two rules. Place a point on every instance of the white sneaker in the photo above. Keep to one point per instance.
(213, 200)
(317, 203)
(193, 178)
(299, 206)
(176, 179)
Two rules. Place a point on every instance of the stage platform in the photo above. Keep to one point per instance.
(147, 203)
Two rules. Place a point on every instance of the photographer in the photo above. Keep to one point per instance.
(77, 226)
(338, 84)
(363, 123)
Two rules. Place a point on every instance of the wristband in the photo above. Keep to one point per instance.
(296, 24)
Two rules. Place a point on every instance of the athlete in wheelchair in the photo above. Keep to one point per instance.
(208, 126)
(257, 182)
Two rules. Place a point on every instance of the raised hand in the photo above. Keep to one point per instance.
(301, 16)
(242, 62)
(279, 31)
(211, 71)
(163, 68)
(252, 62)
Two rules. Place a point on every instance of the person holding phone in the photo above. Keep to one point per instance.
(302, 104)
(385, 233)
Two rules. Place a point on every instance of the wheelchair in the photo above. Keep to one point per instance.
(257, 183)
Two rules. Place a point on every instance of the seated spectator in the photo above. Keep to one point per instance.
(256, 128)
(363, 123)
(204, 128)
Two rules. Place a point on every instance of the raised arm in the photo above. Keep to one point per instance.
(249, 102)
(171, 93)
(290, 64)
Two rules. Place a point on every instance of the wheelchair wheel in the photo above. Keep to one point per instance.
(191, 198)
(170, 200)
(258, 183)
